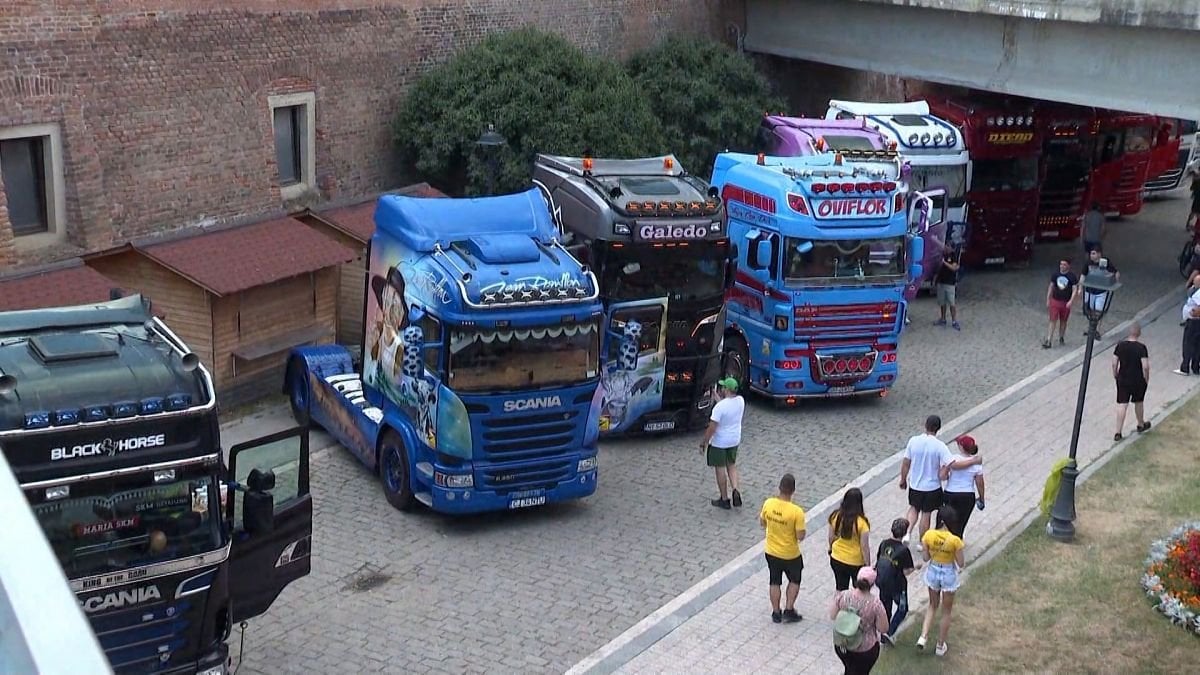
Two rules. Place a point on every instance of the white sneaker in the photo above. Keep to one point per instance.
(940, 650)
(1178, 371)
(921, 642)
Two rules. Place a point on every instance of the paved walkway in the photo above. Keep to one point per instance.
(707, 632)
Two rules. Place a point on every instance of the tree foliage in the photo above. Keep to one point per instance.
(707, 97)
(542, 94)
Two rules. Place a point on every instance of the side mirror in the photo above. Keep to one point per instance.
(630, 346)
(258, 515)
(915, 271)
(918, 249)
(762, 252)
(414, 352)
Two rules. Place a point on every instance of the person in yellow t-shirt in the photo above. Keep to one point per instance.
(849, 539)
(784, 523)
(944, 551)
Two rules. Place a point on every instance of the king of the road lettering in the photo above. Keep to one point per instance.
(852, 208)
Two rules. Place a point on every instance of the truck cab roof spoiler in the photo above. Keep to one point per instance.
(132, 309)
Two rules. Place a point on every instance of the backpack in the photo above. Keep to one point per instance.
(887, 570)
(848, 627)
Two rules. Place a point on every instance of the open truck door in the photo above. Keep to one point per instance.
(271, 519)
(927, 232)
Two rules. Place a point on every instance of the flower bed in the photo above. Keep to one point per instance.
(1172, 578)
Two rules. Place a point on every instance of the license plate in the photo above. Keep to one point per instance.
(993, 261)
(527, 502)
(666, 425)
(1049, 233)
(843, 389)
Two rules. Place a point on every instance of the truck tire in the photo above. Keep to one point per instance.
(297, 391)
(736, 362)
(394, 472)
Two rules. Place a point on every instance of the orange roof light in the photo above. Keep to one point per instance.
(837, 159)
(668, 163)
(587, 163)
(821, 144)
(762, 159)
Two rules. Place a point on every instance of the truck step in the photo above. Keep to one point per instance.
(425, 498)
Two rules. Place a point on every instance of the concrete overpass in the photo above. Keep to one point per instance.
(1136, 55)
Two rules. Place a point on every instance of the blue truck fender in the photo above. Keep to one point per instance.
(303, 362)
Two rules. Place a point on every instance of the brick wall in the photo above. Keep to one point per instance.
(163, 108)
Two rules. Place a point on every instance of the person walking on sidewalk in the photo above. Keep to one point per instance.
(1094, 225)
(721, 441)
(1099, 264)
(947, 278)
(1131, 370)
(1191, 336)
(859, 620)
(1061, 294)
(920, 474)
(849, 539)
(944, 551)
(784, 523)
(964, 487)
(893, 562)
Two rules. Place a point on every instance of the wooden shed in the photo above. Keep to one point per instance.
(353, 225)
(241, 297)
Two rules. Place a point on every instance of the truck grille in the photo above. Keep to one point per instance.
(543, 475)
(516, 437)
(860, 319)
(142, 639)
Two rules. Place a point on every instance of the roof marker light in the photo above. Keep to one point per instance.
(668, 163)
(587, 164)
(762, 159)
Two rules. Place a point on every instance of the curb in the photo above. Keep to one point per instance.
(660, 623)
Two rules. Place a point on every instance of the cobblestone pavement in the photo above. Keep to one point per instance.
(536, 591)
(1019, 446)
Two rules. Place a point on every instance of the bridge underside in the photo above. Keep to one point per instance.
(1138, 69)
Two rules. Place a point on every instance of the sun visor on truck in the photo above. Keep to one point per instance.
(423, 222)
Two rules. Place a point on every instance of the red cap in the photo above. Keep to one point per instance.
(966, 441)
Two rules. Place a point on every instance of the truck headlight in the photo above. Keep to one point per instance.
(453, 480)
(588, 464)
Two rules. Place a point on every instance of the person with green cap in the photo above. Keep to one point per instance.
(722, 438)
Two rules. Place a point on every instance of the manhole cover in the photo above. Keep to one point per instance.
(365, 578)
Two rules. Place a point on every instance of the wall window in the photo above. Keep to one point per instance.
(32, 172)
(293, 121)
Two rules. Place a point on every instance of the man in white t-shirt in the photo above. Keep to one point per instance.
(722, 438)
(920, 474)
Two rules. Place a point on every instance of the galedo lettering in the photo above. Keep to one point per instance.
(118, 599)
(532, 403)
(665, 232)
(108, 446)
(852, 208)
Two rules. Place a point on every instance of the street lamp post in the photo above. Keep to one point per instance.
(490, 142)
(1098, 290)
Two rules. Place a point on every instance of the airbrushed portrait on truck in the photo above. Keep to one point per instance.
(109, 423)
(478, 388)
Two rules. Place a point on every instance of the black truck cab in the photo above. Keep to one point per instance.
(109, 423)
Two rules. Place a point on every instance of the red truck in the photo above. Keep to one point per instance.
(1122, 156)
(1005, 142)
(1068, 139)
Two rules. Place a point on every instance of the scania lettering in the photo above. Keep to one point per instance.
(109, 422)
(1004, 140)
(655, 236)
(533, 403)
(478, 387)
(817, 306)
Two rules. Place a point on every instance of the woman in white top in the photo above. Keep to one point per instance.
(964, 487)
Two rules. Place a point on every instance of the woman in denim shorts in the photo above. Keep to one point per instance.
(944, 551)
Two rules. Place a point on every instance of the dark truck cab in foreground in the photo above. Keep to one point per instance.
(109, 423)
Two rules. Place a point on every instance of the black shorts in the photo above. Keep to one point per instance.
(1131, 392)
(781, 566)
(925, 502)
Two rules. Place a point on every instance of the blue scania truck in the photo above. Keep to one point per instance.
(109, 423)
(826, 248)
(480, 360)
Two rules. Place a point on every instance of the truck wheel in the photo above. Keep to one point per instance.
(737, 362)
(297, 388)
(394, 471)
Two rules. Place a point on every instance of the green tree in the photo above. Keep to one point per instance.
(542, 93)
(708, 98)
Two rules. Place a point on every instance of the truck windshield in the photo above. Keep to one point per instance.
(1067, 165)
(641, 271)
(848, 142)
(1138, 139)
(1001, 175)
(952, 177)
(845, 261)
(501, 360)
(106, 525)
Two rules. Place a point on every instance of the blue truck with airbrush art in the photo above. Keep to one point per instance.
(478, 388)
(826, 249)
